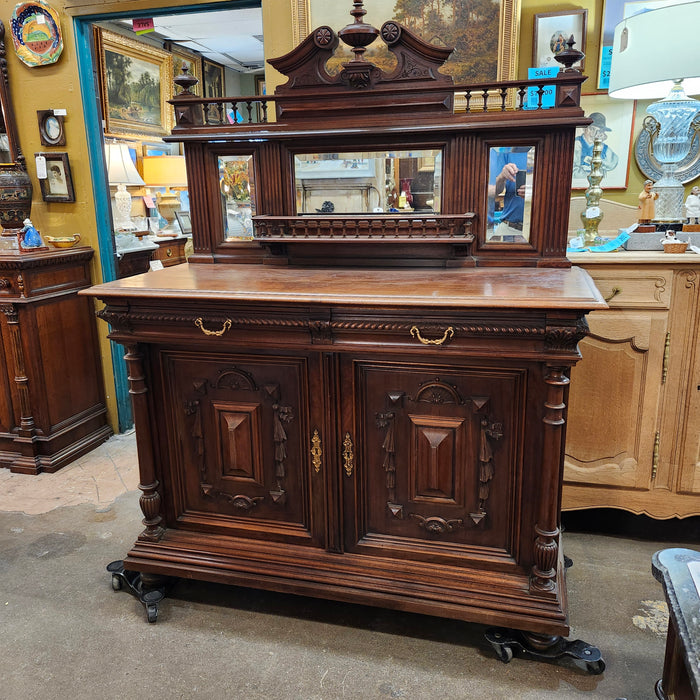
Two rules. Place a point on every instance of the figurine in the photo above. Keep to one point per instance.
(692, 206)
(30, 236)
(646, 203)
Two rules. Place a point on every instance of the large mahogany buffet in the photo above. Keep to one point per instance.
(366, 400)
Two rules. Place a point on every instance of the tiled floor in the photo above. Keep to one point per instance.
(98, 477)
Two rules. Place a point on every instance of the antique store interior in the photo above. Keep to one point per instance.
(86, 462)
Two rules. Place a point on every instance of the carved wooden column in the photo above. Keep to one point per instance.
(26, 422)
(544, 570)
(150, 500)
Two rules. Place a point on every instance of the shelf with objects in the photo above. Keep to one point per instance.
(365, 402)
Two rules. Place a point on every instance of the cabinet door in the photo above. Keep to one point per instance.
(436, 459)
(616, 392)
(241, 423)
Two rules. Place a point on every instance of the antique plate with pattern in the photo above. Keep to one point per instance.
(36, 33)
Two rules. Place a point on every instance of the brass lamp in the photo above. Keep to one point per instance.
(168, 172)
(121, 172)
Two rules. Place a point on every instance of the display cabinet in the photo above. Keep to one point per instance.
(367, 401)
(52, 407)
(636, 389)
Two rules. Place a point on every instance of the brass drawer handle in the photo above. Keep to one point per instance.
(613, 293)
(448, 334)
(200, 325)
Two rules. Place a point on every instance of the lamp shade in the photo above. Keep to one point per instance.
(120, 168)
(654, 48)
(164, 171)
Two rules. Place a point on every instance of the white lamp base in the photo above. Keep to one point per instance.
(122, 210)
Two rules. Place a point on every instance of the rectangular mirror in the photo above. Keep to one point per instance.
(236, 183)
(511, 170)
(369, 182)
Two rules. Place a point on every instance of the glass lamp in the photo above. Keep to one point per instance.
(168, 172)
(657, 54)
(121, 172)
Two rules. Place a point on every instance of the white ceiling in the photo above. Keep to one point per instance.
(233, 38)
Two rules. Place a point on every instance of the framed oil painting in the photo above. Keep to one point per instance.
(484, 33)
(614, 11)
(612, 123)
(182, 57)
(551, 32)
(57, 186)
(212, 78)
(136, 83)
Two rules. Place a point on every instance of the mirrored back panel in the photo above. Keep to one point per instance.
(236, 183)
(368, 182)
(510, 190)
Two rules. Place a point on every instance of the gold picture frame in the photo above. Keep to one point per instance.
(508, 30)
(184, 57)
(136, 82)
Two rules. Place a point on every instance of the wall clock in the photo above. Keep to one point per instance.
(51, 129)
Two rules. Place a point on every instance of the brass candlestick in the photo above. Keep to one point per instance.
(592, 215)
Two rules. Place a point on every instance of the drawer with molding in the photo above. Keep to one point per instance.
(634, 289)
(171, 251)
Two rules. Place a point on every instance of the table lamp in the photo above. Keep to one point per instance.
(121, 172)
(657, 54)
(168, 172)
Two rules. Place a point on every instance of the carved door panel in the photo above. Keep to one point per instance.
(616, 392)
(436, 460)
(242, 425)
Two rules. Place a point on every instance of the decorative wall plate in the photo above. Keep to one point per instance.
(688, 169)
(36, 33)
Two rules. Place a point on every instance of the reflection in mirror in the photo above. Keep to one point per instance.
(236, 183)
(369, 182)
(511, 171)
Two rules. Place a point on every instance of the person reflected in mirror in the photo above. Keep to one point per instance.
(507, 177)
(583, 147)
(647, 203)
(692, 206)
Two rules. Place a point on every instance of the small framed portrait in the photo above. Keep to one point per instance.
(57, 186)
(183, 218)
(51, 130)
(552, 31)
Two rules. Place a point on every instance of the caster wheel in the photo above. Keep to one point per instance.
(505, 654)
(116, 582)
(595, 668)
(152, 613)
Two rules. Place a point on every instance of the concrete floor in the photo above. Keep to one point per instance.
(65, 633)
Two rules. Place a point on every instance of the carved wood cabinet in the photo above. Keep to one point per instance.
(52, 407)
(365, 405)
(636, 389)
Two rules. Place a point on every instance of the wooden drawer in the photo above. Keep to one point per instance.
(634, 289)
(171, 251)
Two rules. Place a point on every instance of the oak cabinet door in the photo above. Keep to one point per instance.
(241, 422)
(616, 393)
(436, 459)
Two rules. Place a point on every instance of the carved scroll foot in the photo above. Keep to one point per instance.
(507, 642)
(149, 589)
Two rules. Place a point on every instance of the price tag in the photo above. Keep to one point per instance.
(60, 112)
(41, 167)
(148, 201)
(40, 19)
(155, 265)
(592, 212)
